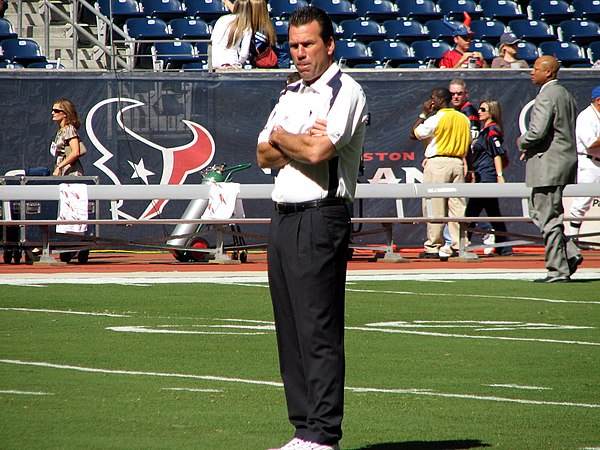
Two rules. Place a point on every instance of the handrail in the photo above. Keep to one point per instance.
(114, 58)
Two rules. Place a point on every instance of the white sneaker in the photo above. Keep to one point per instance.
(446, 252)
(489, 239)
(301, 444)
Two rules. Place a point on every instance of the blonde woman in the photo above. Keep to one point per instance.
(508, 54)
(232, 36)
(67, 144)
(264, 37)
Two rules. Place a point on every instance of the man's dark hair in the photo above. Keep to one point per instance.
(442, 93)
(308, 14)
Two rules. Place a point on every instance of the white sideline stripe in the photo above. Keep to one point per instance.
(193, 390)
(500, 338)
(279, 384)
(494, 297)
(59, 311)
(517, 386)
(143, 329)
(25, 393)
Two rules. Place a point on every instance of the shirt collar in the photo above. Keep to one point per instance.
(324, 79)
(548, 83)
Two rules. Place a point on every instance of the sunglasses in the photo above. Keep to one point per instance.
(56, 111)
(482, 109)
(458, 94)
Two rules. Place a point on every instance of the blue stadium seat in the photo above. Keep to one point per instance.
(119, 10)
(587, 9)
(349, 53)
(440, 31)
(164, 9)
(379, 10)
(147, 28)
(363, 30)
(283, 8)
(6, 30)
(421, 10)
(194, 67)
(10, 65)
(205, 9)
(487, 30)
(405, 30)
(582, 32)
(502, 10)
(528, 51)
(550, 11)
(202, 49)
(593, 51)
(336, 9)
(185, 28)
(22, 51)
(487, 50)
(172, 55)
(453, 9)
(567, 53)
(391, 53)
(281, 29)
(534, 31)
(426, 51)
(46, 65)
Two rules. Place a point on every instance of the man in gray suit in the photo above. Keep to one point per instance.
(548, 147)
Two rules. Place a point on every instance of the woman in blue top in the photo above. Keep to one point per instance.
(487, 165)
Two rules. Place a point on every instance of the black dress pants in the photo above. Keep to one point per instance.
(475, 206)
(307, 275)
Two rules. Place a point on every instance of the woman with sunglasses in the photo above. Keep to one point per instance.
(487, 166)
(67, 144)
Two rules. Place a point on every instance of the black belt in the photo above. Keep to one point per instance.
(288, 208)
(592, 157)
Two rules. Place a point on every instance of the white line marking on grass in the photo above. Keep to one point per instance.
(494, 297)
(517, 386)
(477, 325)
(500, 338)
(143, 329)
(59, 311)
(279, 384)
(210, 391)
(25, 393)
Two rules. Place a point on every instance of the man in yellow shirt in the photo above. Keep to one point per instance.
(449, 137)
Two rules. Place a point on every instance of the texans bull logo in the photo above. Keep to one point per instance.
(178, 162)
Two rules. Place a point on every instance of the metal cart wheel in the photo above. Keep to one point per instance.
(243, 256)
(66, 257)
(198, 242)
(83, 256)
(7, 256)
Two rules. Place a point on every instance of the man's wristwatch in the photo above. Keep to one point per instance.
(499, 174)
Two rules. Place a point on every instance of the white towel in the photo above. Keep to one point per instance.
(223, 202)
(73, 206)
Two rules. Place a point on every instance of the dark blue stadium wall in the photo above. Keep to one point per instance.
(156, 145)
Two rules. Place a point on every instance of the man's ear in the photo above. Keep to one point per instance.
(331, 47)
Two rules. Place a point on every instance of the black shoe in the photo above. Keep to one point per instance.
(573, 263)
(553, 280)
(428, 255)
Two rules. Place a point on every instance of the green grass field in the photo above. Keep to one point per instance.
(430, 365)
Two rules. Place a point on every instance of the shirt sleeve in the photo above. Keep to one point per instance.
(245, 47)
(427, 129)
(584, 132)
(347, 112)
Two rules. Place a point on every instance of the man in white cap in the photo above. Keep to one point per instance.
(587, 137)
(508, 53)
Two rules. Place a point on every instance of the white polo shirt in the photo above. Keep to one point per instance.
(340, 100)
(587, 130)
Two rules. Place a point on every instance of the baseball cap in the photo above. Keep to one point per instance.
(509, 38)
(595, 92)
(461, 31)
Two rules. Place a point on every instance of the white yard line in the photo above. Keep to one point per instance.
(279, 384)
